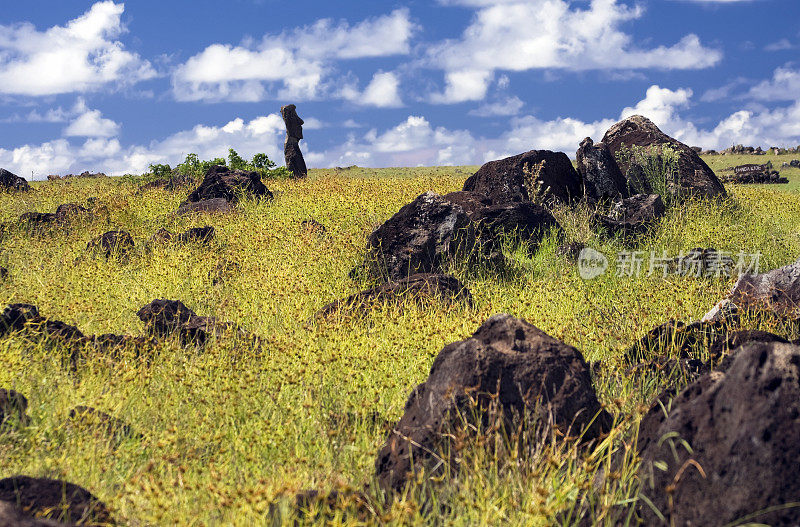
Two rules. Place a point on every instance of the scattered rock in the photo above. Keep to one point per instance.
(54, 499)
(695, 176)
(776, 292)
(13, 407)
(112, 243)
(422, 237)
(222, 182)
(193, 235)
(208, 206)
(112, 345)
(86, 174)
(12, 516)
(742, 423)
(70, 212)
(445, 288)
(526, 220)
(538, 175)
(633, 216)
(37, 219)
(508, 366)
(602, 179)
(12, 182)
(15, 317)
(91, 419)
(291, 147)
(163, 318)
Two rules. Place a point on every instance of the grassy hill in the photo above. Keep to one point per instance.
(228, 430)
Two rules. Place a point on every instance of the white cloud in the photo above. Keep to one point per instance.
(780, 45)
(784, 86)
(296, 64)
(78, 57)
(508, 106)
(383, 91)
(91, 123)
(551, 34)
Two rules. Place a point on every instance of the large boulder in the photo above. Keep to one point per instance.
(445, 288)
(111, 243)
(12, 182)
(602, 179)
(539, 175)
(524, 219)
(776, 292)
(207, 206)
(422, 237)
(632, 216)
(695, 176)
(222, 182)
(507, 366)
(56, 499)
(726, 448)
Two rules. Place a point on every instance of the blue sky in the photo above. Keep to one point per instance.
(112, 86)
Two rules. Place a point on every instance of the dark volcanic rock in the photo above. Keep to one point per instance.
(777, 291)
(112, 345)
(16, 316)
(602, 179)
(445, 288)
(726, 343)
(54, 499)
(163, 318)
(193, 235)
(12, 182)
(37, 219)
(112, 243)
(209, 206)
(471, 202)
(222, 182)
(550, 176)
(421, 238)
(13, 406)
(633, 216)
(696, 177)
(743, 426)
(529, 221)
(507, 364)
(13, 516)
(71, 211)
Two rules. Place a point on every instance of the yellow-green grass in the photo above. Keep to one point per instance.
(230, 429)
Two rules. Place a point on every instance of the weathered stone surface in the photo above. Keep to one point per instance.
(602, 179)
(11, 182)
(13, 407)
(112, 243)
(529, 221)
(776, 292)
(471, 202)
(13, 516)
(193, 235)
(222, 182)
(550, 176)
(422, 237)
(55, 499)
(695, 176)
(633, 216)
(509, 365)
(444, 288)
(16, 316)
(742, 423)
(37, 219)
(729, 342)
(208, 206)
(291, 147)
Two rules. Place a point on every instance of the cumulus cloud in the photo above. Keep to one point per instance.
(784, 86)
(80, 56)
(383, 91)
(295, 64)
(550, 34)
(91, 123)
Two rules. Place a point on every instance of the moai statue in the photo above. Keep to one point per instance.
(291, 148)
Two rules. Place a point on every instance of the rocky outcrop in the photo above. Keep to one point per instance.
(508, 369)
(291, 147)
(538, 175)
(422, 237)
(444, 288)
(12, 183)
(694, 175)
(222, 182)
(53, 498)
(727, 446)
(632, 216)
(602, 179)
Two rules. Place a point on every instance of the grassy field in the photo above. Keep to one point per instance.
(232, 429)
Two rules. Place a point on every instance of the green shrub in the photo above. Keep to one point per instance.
(651, 170)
